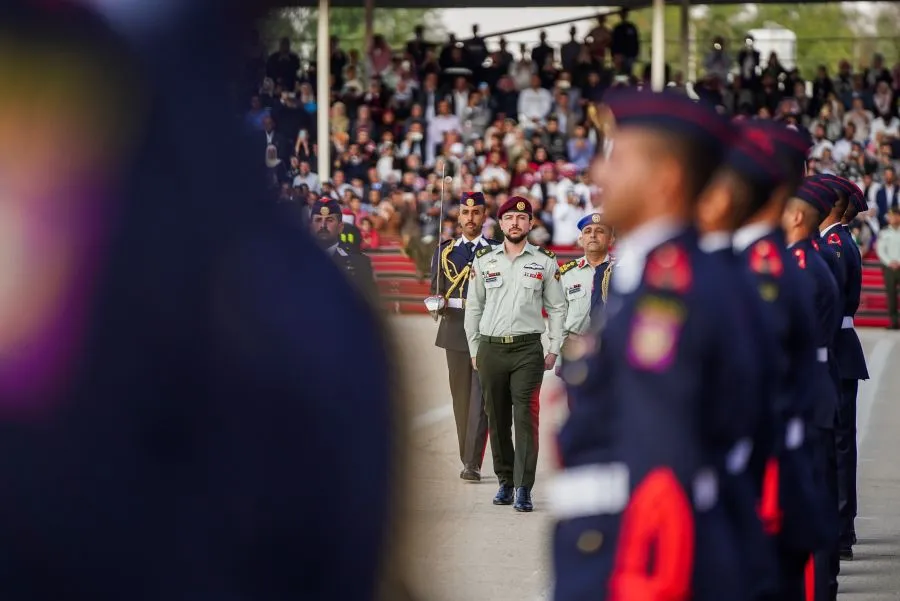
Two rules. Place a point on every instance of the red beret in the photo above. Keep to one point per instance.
(518, 204)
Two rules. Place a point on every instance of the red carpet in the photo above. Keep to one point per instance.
(402, 292)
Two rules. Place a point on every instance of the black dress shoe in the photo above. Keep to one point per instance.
(523, 500)
(847, 554)
(470, 474)
(504, 496)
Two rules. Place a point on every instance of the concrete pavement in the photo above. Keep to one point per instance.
(462, 547)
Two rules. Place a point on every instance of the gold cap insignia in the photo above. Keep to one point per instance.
(470, 202)
(324, 212)
(520, 206)
(595, 218)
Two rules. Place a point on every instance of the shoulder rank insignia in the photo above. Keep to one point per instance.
(655, 331)
(549, 253)
(669, 268)
(834, 239)
(765, 260)
(567, 266)
(483, 251)
(800, 255)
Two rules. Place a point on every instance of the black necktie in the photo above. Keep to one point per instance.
(470, 248)
(596, 291)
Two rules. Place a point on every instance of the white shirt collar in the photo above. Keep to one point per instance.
(715, 241)
(750, 233)
(828, 229)
(632, 251)
(335, 249)
(479, 241)
(583, 261)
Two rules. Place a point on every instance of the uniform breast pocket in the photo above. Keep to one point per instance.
(575, 292)
(493, 280)
(532, 283)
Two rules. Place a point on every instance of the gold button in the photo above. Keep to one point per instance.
(590, 541)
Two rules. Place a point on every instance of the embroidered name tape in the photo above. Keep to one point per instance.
(589, 490)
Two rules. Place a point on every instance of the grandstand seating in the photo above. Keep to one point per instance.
(403, 292)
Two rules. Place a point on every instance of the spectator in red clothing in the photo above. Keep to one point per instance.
(370, 238)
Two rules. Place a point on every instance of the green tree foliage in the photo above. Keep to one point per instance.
(397, 25)
(825, 32)
(887, 40)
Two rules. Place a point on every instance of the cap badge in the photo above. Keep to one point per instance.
(595, 218)
(470, 202)
(324, 211)
(520, 206)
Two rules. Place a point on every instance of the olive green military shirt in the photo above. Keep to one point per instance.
(506, 297)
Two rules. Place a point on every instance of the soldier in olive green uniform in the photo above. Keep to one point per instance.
(509, 286)
(450, 269)
(585, 281)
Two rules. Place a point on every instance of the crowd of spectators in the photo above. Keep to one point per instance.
(528, 124)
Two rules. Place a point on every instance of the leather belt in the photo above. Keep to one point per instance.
(456, 303)
(511, 339)
(847, 322)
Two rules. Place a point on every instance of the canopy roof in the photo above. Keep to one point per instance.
(630, 4)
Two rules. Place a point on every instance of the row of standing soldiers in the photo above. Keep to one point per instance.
(710, 449)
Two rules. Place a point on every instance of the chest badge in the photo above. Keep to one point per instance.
(655, 331)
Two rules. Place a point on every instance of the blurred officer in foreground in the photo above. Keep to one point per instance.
(848, 349)
(450, 270)
(585, 281)
(719, 213)
(658, 408)
(326, 224)
(762, 172)
(801, 218)
(510, 286)
(160, 442)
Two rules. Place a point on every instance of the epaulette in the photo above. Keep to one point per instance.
(669, 268)
(800, 255)
(549, 253)
(483, 251)
(765, 260)
(447, 241)
(567, 266)
(492, 242)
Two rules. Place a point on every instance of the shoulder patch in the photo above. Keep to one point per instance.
(567, 266)
(549, 253)
(834, 238)
(483, 251)
(669, 268)
(765, 260)
(800, 255)
(655, 332)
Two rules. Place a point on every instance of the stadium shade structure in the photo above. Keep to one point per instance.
(657, 40)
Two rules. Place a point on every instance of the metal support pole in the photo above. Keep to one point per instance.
(323, 93)
(685, 38)
(658, 47)
(370, 23)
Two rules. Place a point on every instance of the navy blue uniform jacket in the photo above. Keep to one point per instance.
(661, 406)
(847, 348)
(790, 491)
